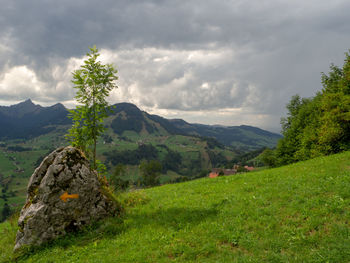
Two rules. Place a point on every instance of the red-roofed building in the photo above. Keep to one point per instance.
(213, 174)
(249, 168)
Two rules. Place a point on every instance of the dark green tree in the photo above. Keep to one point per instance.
(150, 172)
(334, 132)
(268, 157)
(117, 178)
(171, 161)
(93, 81)
(6, 212)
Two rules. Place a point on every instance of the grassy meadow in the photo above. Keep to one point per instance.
(295, 213)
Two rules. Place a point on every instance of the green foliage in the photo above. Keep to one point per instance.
(217, 159)
(5, 213)
(100, 168)
(201, 174)
(249, 158)
(134, 198)
(18, 148)
(133, 157)
(320, 125)
(93, 81)
(172, 161)
(117, 178)
(150, 172)
(268, 157)
(119, 171)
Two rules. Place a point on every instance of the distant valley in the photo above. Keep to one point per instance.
(186, 151)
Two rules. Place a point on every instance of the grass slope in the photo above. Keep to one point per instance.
(296, 213)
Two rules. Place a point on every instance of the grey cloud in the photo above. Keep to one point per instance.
(253, 55)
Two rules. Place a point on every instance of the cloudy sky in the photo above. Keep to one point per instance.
(214, 61)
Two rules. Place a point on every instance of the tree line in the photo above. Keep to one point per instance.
(171, 160)
(316, 126)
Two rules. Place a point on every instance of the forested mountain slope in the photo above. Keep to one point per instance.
(27, 120)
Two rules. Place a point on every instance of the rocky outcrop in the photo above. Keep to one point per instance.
(63, 195)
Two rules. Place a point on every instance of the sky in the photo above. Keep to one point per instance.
(221, 62)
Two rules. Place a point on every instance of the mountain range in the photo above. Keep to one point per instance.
(28, 120)
(29, 132)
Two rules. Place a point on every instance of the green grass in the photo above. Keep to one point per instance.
(7, 167)
(10, 162)
(8, 231)
(296, 213)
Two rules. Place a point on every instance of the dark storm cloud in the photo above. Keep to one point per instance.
(244, 59)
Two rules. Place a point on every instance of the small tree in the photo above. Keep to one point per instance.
(268, 157)
(93, 82)
(150, 172)
(117, 178)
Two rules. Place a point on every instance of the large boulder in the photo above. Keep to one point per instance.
(63, 195)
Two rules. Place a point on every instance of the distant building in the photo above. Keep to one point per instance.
(249, 168)
(213, 175)
(215, 172)
(229, 171)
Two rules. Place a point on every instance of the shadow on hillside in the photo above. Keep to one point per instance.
(174, 218)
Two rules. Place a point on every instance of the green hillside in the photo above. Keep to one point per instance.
(32, 131)
(295, 213)
(20, 157)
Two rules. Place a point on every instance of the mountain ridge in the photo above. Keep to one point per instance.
(28, 120)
